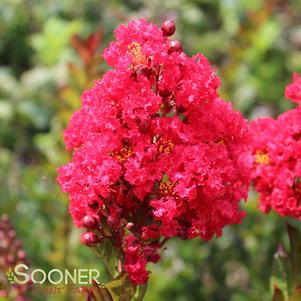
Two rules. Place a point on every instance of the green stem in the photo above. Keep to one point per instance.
(140, 293)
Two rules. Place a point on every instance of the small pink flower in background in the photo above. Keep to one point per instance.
(156, 152)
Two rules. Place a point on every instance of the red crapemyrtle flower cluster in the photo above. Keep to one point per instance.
(277, 158)
(11, 254)
(156, 152)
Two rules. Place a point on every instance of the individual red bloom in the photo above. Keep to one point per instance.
(139, 44)
(155, 150)
(276, 158)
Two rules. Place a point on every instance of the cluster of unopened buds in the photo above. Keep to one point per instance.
(11, 254)
(156, 152)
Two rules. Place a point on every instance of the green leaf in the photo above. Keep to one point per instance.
(295, 253)
(266, 36)
(165, 178)
(53, 42)
(281, 270)
(101, 293)
(119, 289)
(182, 116)
(278, 295)
(171, 114)
(279, 285)
(107, 253)
(6, 110)
(140, 292)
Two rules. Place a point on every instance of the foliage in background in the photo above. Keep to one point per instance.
(46, 61)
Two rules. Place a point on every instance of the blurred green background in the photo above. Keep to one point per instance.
(47, 60)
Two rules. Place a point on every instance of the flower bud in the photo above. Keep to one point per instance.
(175, 46)
(12, 234)
(168, 28)
(10, 259)
(89, 239)
(21, 254)
(89, 222)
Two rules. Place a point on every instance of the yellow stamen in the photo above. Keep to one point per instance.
(123, 154)
(221, 141)
(167, 188)
(165, 146)
(134, 49)
(261, 157)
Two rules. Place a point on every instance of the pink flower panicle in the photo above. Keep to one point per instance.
(156, 152)
(276, 158)
(11, 254)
